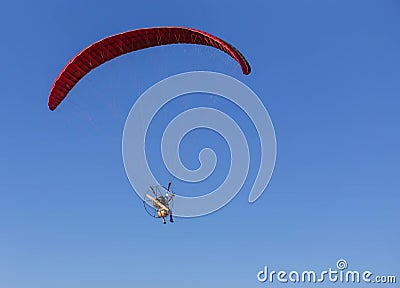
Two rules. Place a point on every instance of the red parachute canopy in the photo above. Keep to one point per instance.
(119, 44)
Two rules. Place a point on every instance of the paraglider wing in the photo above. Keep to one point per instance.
(119, 44)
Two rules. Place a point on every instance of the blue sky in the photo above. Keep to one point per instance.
(328, 73)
